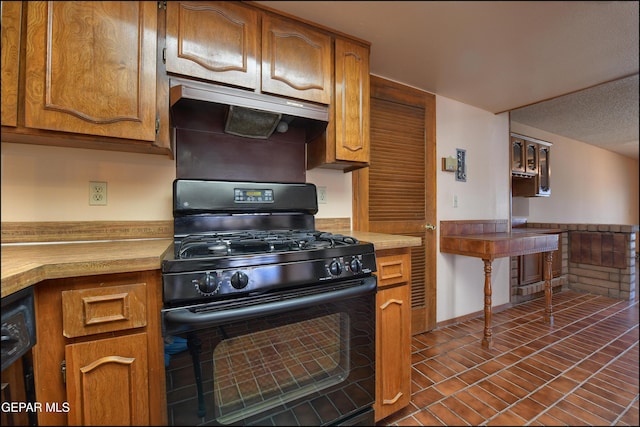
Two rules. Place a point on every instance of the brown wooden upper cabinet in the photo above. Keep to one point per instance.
(90, 76)
(215, 41)
(11, 35)
(345, 145)
(297, 60)
(235, 44)
(530, 166)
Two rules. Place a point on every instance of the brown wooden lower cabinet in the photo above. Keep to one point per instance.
(393, 332)
(99, 356)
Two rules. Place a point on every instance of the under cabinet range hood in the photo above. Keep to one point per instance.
(209, 107)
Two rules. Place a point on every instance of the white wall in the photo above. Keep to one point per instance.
(339, 192)
(589, 184)
(485, 195)
(41, 183)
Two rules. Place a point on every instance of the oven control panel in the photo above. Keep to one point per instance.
(224, 282)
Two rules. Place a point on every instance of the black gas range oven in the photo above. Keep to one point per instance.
(266, 320)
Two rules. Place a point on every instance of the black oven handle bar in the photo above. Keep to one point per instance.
(199, 320)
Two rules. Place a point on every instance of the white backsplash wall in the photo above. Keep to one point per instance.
(338, 186)
(41, 183)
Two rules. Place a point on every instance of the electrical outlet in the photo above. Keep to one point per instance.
(322, 195)
(97, 193)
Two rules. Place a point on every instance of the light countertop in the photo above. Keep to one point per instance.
(26, 264)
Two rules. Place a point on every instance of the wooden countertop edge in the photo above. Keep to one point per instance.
(26, 265)
(501, 244)
(381, 241)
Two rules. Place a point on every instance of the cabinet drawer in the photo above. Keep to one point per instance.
(98, 310)
(394, 269)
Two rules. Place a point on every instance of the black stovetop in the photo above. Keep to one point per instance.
(224, 244)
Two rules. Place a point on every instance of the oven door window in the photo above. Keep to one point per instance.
(262, 370)
(310, 366)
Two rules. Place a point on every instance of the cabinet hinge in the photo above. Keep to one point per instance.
(63, 370)
(164, 55)
(157, 125)
(162, 5)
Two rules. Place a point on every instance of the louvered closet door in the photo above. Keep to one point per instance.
(396, 194)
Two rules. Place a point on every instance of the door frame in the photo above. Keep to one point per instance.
(423, 319)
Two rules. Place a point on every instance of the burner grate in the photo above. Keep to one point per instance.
(256, 242)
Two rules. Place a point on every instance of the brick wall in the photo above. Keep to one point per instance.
(601, 259)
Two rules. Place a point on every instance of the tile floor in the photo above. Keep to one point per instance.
(581, 371)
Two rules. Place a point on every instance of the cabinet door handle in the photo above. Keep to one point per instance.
(430, 227)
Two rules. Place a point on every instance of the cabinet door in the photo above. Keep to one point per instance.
(530, 269)
(297, 60)
(544, 171)
(215, 41)
(106, 374)
(393, 359)
(352, 101)
(393, 332)
(531, 156)
(91, 68)
(11, 33)
(517, 155)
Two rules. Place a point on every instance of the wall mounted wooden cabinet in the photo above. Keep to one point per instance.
(99, 348)
(214, 41)
(296, 60)
(236, 44)
(345, 144)
(11, 36)
(393, 332)
(530, 167)
(90, 77)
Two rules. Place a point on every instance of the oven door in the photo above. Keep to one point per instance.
(300, 357)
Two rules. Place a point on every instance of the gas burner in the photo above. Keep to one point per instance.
(258, 242)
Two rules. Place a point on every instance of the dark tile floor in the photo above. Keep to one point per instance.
(583, 370)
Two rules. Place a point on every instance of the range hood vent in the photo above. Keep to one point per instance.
(208, 107)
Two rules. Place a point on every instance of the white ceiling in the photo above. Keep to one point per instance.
(500, 56)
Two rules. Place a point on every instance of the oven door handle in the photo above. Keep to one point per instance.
(199, 320)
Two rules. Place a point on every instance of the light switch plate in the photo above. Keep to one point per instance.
(322, 195)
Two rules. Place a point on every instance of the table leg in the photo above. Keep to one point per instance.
(487, 340)
(548, 290)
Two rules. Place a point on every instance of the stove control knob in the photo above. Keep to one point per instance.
(355, 265)
(335, 268)
(209, 284)
(239, 280)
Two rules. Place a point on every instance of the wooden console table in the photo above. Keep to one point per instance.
(491, 239)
